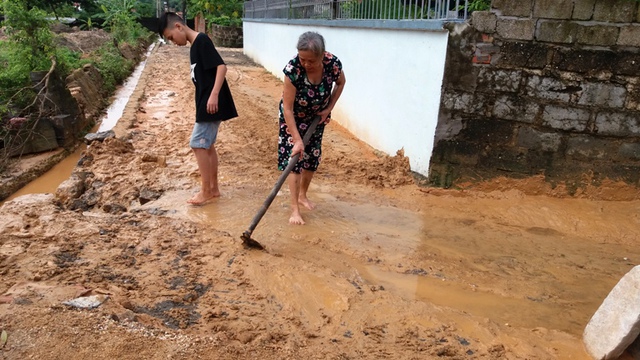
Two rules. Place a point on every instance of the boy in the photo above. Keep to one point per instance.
(214, 103)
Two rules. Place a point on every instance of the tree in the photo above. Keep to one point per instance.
(28, 26)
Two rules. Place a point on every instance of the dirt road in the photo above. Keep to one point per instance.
(384, 269)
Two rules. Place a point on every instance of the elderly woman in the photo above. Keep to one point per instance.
(308, 91)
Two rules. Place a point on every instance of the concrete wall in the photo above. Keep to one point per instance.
(542, 87)
(394, 79)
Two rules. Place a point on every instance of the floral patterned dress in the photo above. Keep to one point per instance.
(309, 100)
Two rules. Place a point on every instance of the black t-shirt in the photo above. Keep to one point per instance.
(204, 62)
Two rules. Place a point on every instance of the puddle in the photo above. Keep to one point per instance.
(50, 180)
(525, 313)
(400, 236)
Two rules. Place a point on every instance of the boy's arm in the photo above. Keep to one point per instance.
(212, 103)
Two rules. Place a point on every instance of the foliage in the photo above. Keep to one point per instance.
(30, 28)
(68, 60)
(221, 12)
(62, 7)
(146, 8)
(119, 18)
(226, 21)
(112, 66)
(14, 77)
(480, 5)
(86, 24)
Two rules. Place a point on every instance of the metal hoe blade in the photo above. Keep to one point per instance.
(249, 243)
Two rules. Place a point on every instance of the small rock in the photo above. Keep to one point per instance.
(101, 136)
(70, 189)
(149, 158)
(147, 195)
(114, 208)
(245, 337)
(87, 302)
(90, 197)
(79, 204)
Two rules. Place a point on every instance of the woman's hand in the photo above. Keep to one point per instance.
(298, 148)
(324, 116)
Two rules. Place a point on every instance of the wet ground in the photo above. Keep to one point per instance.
(383, 268)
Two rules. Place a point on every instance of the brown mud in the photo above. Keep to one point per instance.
(384, 269)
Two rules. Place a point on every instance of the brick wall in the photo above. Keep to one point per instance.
(542, 87)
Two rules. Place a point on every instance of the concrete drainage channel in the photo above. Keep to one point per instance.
(123, 94)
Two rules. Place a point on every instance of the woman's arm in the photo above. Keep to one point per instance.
(288, 97)
(335, 95)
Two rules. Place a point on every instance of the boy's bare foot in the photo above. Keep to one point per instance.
(296, 218)
(307, 203)
(215, 193)
(200, 198)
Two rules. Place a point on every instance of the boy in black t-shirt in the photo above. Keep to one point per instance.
(214, 102)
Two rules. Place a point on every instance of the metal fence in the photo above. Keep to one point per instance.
(356, 9)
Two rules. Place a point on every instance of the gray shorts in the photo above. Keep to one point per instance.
(204, 135)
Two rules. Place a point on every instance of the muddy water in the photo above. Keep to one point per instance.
(49, 181)
(400, 234)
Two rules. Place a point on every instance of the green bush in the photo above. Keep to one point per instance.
(220, 12)
(14, 77)
(479, 5)
(112, 66)
(226, 21)
(68, 60)
(120, 17)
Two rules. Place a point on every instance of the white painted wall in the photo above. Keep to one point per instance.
(392, 96)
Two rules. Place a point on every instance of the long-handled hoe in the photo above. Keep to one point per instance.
(247, 241)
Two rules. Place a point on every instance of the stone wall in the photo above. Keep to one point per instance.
(542, 87)
(226, 36)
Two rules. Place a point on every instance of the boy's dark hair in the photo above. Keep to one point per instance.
(168, 19)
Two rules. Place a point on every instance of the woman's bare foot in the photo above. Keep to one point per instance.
(201, 198)
(306, 203)
(296, 218)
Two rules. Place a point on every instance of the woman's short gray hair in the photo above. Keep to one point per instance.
(311, 41)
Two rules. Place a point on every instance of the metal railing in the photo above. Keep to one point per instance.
(356, 9)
